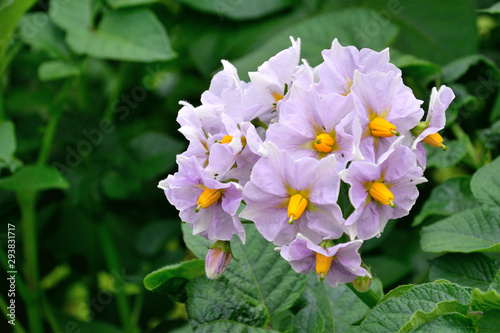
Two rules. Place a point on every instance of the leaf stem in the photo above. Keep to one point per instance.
(113, 262)
(471, 151)
(27, 201)
(370, 298)
(50, 130)
(116, 90)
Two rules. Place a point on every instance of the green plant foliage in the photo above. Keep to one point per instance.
(34, 178)
(472, 230)
(457, 149)
(472, 270)
(56, 70)
(448, 198)
(416, 306)
(485, 183)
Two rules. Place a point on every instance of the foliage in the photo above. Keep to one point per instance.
(89, 97)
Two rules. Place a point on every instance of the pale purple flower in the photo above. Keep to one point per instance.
(268, 83)
(399, 172)
(306, 118)
(218, 221)
(275, 180)
(436, 118)
(382, 96)
(336, 74)
(345, 267)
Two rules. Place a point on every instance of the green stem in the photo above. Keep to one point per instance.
(113, 262)
(2, 110)
(27, 201)
(117, 89)
(20, 285)
(370, 298)
(49, 314)
(50, 130)
(18, 328)
(471, 151)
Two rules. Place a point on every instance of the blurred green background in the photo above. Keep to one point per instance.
(90, 92)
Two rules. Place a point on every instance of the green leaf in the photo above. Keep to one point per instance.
(472, 230)
(118, 186)
(495, 285)
(34, 177)
(233, 327)
(56, 70)
(153, 237)
(10, 13)
(450, 322)
(494, 9)
(420, 304)
(130, 35)
(490, 321)
(317, 34)
(456, 69)
(485, 184)
(309, 319)
(486, 300)
(260, 274)
(172, 279)
(422, 32)
(8, 142)
(46, 36)
(129, 3)
(457, 149)
(155, 153)
(339, 307)
(73, 15)
(473, 270)
(210, 301)
(413, 66)
(448, 198)
(238, 10)
(389, 270)
(196, 243)
(396, 292)
(490, 137)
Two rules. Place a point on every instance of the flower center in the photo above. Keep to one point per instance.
(381, 127)
(381, 193)
(207, 198)
(296, 207)
(435, 140)
(323, 264)
(228, 138)
(277, 96)
(324, 143)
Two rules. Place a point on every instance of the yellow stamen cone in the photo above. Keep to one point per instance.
(207, 198)
(435, 140)
(383, 128)
(324, 143)
(296, 207)
(226, 139)
(277, 96)
(381, 193)
(323, 264)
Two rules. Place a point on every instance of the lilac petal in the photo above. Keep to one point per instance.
(325, 224)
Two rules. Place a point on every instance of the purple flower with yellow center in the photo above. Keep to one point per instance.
(315, 126)
(287, 196)
(427, 131)
(339, 263)
(385, 108)
(336, 73)
(269, 83)
(210, 206)
(383, 191)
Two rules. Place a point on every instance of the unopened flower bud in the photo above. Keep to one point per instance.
(217, 260)
(421, 126)
(362, 283)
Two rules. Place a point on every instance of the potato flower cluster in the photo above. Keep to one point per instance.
(284, 144)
